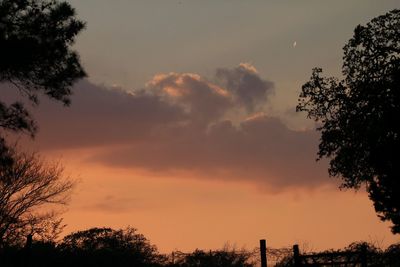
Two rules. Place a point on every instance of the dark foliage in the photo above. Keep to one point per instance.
(108, 247)
(40, 253)
(358, 116)
(36, 56)
(375, 257)
(217, 258)
(93, 247)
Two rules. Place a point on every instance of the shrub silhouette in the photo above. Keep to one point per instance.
(376, 257)
(109, 247)
(216, 258)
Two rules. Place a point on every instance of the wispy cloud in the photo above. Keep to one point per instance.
(114, 204)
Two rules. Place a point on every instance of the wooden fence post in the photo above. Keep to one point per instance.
(263, 252)
(296, 256)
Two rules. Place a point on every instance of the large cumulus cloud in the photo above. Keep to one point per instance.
(181, 124)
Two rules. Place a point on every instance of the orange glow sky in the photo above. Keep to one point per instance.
(186, 126)
(186, 213)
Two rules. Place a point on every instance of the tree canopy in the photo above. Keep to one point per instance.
(357, 115)
(106, 246)
(36, 37)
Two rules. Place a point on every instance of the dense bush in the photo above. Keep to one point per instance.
(376, 257)
(216, 258)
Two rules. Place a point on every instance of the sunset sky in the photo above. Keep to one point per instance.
(186, 126)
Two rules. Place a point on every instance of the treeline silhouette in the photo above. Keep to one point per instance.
(356, 254)
(126, 247)
(108, 247)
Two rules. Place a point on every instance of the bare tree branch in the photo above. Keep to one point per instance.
(26, 185)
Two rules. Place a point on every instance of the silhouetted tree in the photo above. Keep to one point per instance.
(28, 183)
(217, 258)
(358, 115)
(36, 56)
(109, 247)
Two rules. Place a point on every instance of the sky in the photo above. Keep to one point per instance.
(186, 126)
